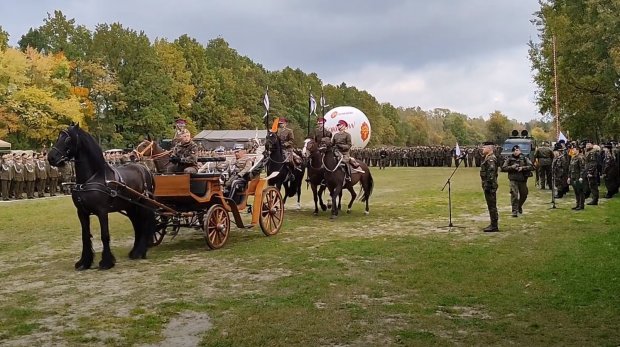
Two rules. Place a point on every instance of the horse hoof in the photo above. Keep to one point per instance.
(105, 266)
(82, 265)
(366, 213)
(349, 211)
(298, 206)
(324, 208)
(315, 213)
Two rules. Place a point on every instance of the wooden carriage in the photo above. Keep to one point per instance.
(199, 201)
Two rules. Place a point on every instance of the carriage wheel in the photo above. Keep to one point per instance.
(271, 211)
(216, 226)
(161, 224)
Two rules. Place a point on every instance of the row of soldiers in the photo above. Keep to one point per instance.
(31, 176)
(419, 156)
(585, 166)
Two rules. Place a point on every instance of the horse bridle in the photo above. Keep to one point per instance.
(150, 147)
(66, 155)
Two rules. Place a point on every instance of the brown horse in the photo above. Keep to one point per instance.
(150, 150)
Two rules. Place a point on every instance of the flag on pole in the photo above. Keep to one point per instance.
(312, 105)
(266, 103)
(457, 150)
(322, 101)
(562, 137)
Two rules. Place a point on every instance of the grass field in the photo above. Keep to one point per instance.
(394, 277)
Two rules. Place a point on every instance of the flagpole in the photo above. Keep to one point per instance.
(555, 87)
(309, 110)
(322, 101)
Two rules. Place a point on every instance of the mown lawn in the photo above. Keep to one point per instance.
(394, 277)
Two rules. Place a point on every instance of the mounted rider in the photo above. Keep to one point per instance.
(342, 142)
(184, 156)
(322, 136)
(288, 139)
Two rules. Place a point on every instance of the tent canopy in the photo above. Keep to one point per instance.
(4, 144)
(211, 139)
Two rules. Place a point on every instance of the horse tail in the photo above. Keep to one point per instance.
(368, 189)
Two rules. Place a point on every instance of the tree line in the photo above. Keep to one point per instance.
(121, 86)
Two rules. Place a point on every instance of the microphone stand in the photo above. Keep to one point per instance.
(449, 184)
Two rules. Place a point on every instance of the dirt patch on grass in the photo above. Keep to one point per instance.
(184, 330)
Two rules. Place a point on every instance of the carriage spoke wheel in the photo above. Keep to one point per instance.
(161, 224)
(271, 212)
(216, 226)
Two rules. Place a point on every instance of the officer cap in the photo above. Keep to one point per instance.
(488, 143)
(320, 120)
(282, 120)
(515, 147)
(609, 145)
(181, 121)
(343, 122)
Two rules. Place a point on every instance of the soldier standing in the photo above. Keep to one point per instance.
(18, 178)
(560, 171)
(610, 171)
(383, 155)
(488, 176)
(544, 155)
(591, 168)
(30, 177)
(41, 171)
(576, 172)
(6, 174)
(53, 174)
(519, 168)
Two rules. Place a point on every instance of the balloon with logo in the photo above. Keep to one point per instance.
(359, 126)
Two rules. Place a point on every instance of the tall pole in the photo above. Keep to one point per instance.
(555, 83)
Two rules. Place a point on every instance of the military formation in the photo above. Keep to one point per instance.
(30, 176)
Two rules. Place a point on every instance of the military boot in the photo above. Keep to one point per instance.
(491, 228)
(593, 202)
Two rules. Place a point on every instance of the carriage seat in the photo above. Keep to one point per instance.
(198, 186)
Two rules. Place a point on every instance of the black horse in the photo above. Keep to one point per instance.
(314, 168)
(100, 189)
(287, 176)
(335, 179)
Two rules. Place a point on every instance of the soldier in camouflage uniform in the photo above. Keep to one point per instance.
(488, 176)
(576, 172)
(610, 171)
(591, 168)
(179, 130)
(559, 168)
(519, 168)
(184, 156)
(544, 156)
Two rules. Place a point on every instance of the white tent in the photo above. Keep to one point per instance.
(4, 146)
(211, 139)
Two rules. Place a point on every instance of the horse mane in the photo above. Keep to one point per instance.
(89, 145)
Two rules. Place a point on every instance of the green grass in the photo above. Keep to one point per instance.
(394, 277)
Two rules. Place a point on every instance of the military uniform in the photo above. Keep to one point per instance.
(241, 167)
(185, 157)
(576, 173)
(488, 176)
(610, 171)
(30, 178)
(321, 135)
(560, 173)
(287, 139)
(383, 154)
(544, 155)
(519, 169)
(591, 168)
(6, 175)
(41, 171)
(18, 178)
(53, 175)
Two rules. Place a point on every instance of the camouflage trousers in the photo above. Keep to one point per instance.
(518, 195)
(491, 198)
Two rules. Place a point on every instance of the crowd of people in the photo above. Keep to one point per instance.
(30, 176)
(584, 166)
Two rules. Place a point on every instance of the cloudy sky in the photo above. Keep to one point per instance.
(466, 55)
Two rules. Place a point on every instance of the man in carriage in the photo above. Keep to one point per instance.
(184, 156)
(179, 130)
(342, 141)
(242, 166)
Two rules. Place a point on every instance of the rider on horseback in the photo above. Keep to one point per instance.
(342, 141)
(287, 139)
(322, 136)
